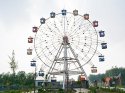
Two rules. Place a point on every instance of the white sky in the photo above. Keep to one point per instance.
(18, 16)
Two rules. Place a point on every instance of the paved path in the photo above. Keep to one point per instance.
(77, 89)
(81, 90)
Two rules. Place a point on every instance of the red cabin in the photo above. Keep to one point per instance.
(30, 39)
(29, 51)
(86, 16)
(94, 69)
(95, 23)
(82, 77)
(35, 29)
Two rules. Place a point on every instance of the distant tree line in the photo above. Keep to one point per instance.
(114, 72)
(21, 80)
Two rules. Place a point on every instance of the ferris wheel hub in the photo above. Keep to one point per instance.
(65, 40)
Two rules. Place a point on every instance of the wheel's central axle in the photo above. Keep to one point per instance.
(65, 40)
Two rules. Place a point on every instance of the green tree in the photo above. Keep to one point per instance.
(6, 80)
(13, 63)
(21, 75)
(29, 80)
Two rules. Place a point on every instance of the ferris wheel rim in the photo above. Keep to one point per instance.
(89, 49)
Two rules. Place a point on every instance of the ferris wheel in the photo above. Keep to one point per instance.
(66, 42)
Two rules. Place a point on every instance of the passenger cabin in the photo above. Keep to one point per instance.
(94, 69)
(33, 63)
(86, 16)
(42, 20)
(41, 73)
(63, 12)
(101, 58)
(35, 29)
(53, 79)
(29, 51)
(75, 12)
(104, 45)
(101, 33)
(52, 14)
(82, 77)
(95, 23)
(30, 39)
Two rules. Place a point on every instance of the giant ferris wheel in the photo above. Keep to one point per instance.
(66, 42)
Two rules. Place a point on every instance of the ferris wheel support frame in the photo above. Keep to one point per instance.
(65, 45)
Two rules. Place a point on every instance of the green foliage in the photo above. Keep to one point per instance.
(113, 90)
(11, 91)
(92, 90)
(60, 90)
(19, 81)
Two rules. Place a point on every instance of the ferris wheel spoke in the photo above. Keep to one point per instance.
(84, 53)
(97, 52)
(85, 40)
(74, 21)
(46, 41)
(75, 31)
(57, 27)
(89, 34)
(85, 62)
(56, 30)
(46, 49)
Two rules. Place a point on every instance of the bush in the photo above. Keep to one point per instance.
(92, 89)
(12, 91)
(60, 90)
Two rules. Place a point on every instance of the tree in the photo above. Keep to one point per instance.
(21, 75)
(13, 64)
(29, 80)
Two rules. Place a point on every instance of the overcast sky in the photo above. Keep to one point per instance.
(17, 17)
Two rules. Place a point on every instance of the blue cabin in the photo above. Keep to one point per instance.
(63, 12)
(53, 79)
(104, 45)
(52, 15)
(75, 12)
(86, 16)
(42, 20)
(101, 33)
(41, 73)
(33, 64)
(101, 58)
